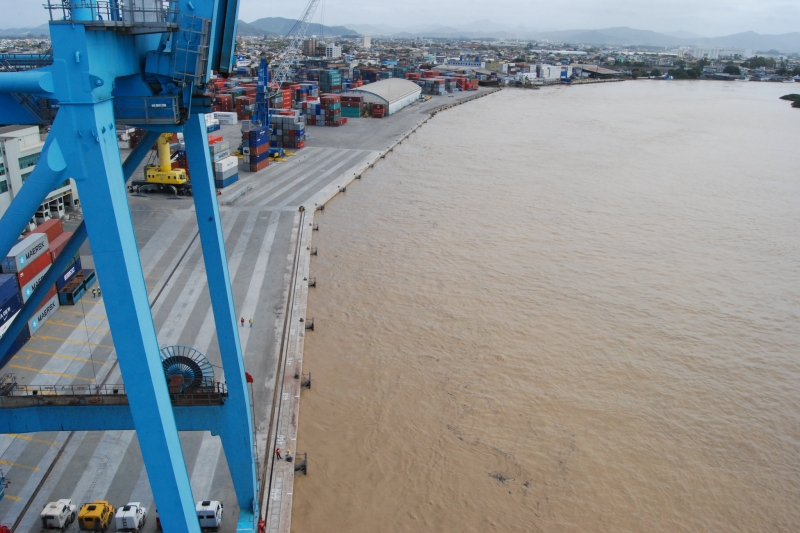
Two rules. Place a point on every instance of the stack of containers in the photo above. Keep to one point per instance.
(226, 172)
(255, 147)
(399, 72)
(330, 81)
(312, 110)
(218, 149)
(352, 106)
(10, 304)
(224, 102)
(332, 109)
(212, 124)
(385, 74)
(245, 105)
(287, 130)
(27, 259)
(378, 110)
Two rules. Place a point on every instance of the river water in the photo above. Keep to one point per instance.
(574, 309)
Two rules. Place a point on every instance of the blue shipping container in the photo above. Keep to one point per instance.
(221, 184)
(9, 287)
(73, 268)
(260, 157)
(18, 343)
(10, 308)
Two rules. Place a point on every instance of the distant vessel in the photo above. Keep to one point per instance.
(790, 80)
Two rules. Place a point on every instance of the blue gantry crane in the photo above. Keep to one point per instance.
(143, 63)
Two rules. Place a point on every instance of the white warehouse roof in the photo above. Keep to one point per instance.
(391, 90)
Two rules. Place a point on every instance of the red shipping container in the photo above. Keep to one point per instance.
(53, 228)
(30, 272)
(58, 244)
(258, 150)
(213, 139)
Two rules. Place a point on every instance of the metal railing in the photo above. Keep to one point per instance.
(14, 395)
(144, 15)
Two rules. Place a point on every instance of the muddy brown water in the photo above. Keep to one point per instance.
(575, 309)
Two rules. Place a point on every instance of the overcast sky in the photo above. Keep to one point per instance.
(709, 18)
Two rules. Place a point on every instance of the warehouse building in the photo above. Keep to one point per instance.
(20, 147)
(394, 93)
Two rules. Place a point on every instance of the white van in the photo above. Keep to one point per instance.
(209, 513)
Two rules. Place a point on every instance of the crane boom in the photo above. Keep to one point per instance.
(295, 37)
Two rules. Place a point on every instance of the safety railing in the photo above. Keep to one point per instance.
(133, 16)
(14, 395)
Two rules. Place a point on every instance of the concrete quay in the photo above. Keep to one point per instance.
(268, 240)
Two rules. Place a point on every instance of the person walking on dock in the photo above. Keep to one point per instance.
(94, 293)
(98, 291)
(278, 453)
(251, 322)
(242, 321)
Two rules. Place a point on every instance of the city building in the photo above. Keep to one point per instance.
(394, 93)
(366, 42)
(310, 47)
(464, 61)
(20, 147)
(332, 50)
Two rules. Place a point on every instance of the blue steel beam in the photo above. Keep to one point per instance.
(103, 418)
(94, 162)
(237, 434)
(48, 172)
(70, 249)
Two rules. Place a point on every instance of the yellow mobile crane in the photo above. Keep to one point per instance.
(162, 175)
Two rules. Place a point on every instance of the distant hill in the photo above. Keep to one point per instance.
(38, 31)
(279, 27)
(622, 36)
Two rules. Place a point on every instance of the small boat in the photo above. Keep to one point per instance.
(790, 80)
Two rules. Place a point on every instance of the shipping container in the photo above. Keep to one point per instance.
(16, 346)
(9, 287)
(34, 268)
(9, 309)
(27, 289)
(73, 267)
(52, 228)
(58, 244)
(226, 164)
(24, 252)
(44, 313)
(229, 181)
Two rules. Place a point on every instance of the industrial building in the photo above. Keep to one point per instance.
(20, 147)
(394, 93)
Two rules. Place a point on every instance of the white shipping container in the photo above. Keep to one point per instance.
(44, 312)
(23, 253)
(226, 164)
(219, 156)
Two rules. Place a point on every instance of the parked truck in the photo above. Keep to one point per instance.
(95, 516)
(57, 515)
(209, 513)
(131, 517)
